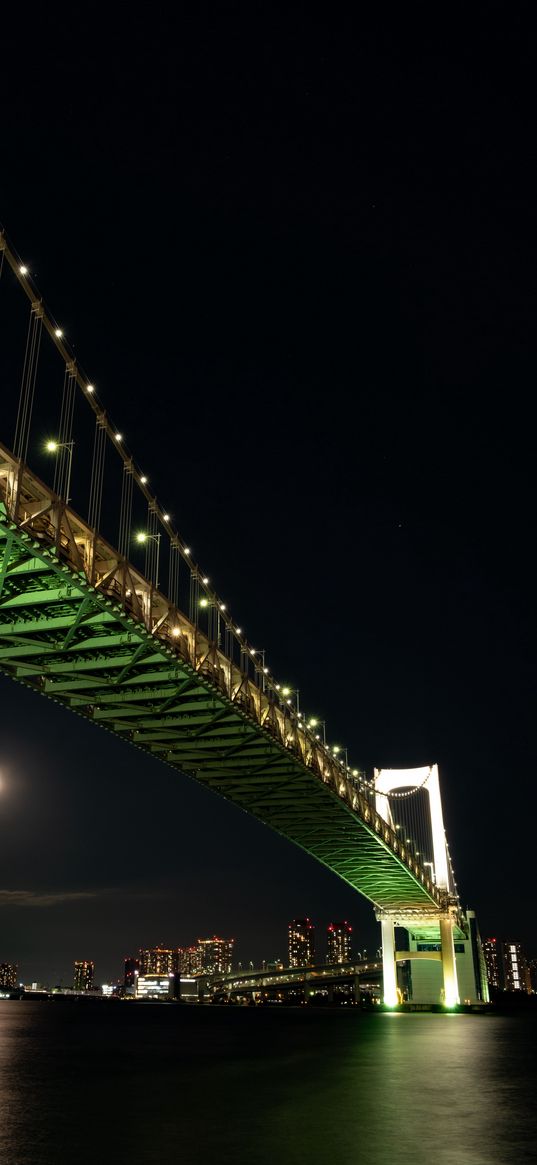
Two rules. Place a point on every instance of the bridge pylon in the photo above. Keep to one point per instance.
(419, 789)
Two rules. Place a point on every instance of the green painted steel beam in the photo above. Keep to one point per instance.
(69, 640)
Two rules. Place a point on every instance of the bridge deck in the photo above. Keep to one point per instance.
(79, 624)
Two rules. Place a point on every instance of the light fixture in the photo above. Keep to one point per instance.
(58, 332)
(165, 517)
(175, 632)
(265, 671)
(288, 701)
(336, 749)
(313, 722)
(141, 537)
(286, 691)
(119, 437)
(23, 270)
(90, 388)
(277, 687)
(238, 630)
(205, 581)
(355, 772)
(52, 446)
(187, 550)
(222, 606)
(252, 651)
(143, 480)
(204, 602)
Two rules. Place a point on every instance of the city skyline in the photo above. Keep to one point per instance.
(510, 965)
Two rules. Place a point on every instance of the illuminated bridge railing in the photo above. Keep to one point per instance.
(56, 530)
(315, 976)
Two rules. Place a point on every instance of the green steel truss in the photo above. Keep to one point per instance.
(70, 632)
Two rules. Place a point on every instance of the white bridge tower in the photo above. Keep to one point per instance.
(394, 781)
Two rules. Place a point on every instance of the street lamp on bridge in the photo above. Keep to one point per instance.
(143, 537)
(54, 447)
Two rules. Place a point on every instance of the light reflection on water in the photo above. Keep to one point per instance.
(97, 1082)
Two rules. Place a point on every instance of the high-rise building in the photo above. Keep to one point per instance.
(301, 943)
(132, 970)
(515, 968)
(8, 976)
(156, 961)
(532, 969)
(507, 967)
(215, 955)
(492, 950)
(338, 942)
(83, 978)
(188, 960)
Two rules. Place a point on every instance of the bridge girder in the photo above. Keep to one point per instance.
(72, 641)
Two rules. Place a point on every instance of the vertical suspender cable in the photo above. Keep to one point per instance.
(173, 574)
(65, 434)
(97, 473)
(125, 513)
(29, 373)
(152, 543)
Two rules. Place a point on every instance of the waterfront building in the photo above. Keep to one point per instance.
(301, 943)
(84, 974)
(507, 966)
(215, 955)
(493, 963)
(516, 974)
(188, 961)
(532, 970)
(132, 970)
(155, 986)
(338, 942)
(8, 976)
(156, 961)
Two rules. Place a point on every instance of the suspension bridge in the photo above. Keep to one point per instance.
(167, 668)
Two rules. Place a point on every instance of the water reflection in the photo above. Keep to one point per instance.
(159, 1084)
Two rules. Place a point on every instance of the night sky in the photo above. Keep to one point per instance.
(298, 260)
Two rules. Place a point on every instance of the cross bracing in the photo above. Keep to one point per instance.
(79, 624)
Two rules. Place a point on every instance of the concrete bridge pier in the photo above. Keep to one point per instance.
(390, 996)
(449, 965)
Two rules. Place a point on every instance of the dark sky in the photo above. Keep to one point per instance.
(298, 259)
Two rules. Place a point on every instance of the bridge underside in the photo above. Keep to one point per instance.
(69, 640)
